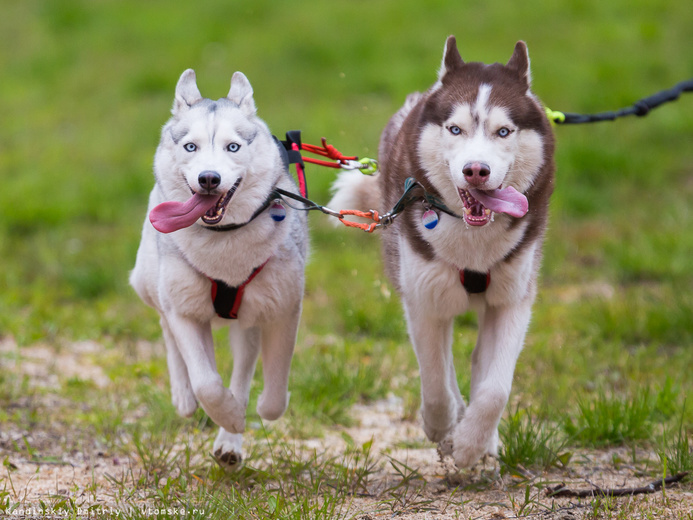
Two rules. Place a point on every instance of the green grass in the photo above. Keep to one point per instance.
(85, 89)
(612, 421)
(530, 443)
(676, 451)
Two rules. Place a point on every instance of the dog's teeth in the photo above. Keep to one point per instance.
(467, 211)
(487, 211)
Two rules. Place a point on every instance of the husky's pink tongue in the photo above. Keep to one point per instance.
(507, 200)
(171, 216)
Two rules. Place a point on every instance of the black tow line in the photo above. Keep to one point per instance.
(640, 108)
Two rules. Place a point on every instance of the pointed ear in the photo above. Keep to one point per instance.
(241, 93)
(519, 62)
(187, 93)
(451, 58)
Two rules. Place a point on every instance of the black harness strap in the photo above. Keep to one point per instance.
(226, 299)
(288, 154)
(475, 282)
(290, 150)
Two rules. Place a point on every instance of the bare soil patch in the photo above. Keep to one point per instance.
(408, 481)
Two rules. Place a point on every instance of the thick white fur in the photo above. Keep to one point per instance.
(344, 194)
(171, 271)
(431, 292)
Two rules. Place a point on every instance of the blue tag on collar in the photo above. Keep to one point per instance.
(429, 219)
(277, 211)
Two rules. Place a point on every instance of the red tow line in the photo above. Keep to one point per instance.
(329, 151)
(338, 160)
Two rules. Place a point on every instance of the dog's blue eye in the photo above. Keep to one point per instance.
(455, 130)
(190, 147)
(233, 147)
(503, 132)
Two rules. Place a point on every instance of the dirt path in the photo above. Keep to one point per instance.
(408, 481)
(88, 478)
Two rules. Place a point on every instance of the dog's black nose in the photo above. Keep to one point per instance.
(209, 180)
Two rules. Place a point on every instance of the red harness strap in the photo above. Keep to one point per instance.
(226, 299)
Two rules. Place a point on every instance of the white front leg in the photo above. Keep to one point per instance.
(182, 394)
(196, 347)
(278, 342)
(501, 337)
(245, 347)
(440, 396)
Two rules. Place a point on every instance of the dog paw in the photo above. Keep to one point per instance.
(469, 445)
(184, 401)
(229, 460)
(228, 450)
(272, 408)
(465, 456)
(445, 447)
(221, 406)
(438, 423)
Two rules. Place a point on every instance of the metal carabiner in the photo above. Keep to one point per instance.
(366, 166)
(330, 212)
(386, 219)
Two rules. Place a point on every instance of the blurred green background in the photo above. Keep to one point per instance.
(85, 87)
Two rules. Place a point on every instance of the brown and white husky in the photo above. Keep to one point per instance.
(478, 141)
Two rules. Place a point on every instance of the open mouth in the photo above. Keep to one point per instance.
(475, 213)
(481, 205)
(215, 214)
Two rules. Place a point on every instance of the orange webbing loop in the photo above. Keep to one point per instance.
(371, 215)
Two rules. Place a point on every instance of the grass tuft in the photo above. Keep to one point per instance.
(528, 442)
(676, 451)
(608, 420)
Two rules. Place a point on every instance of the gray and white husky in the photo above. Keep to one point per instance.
(217, 230)
(479, 143)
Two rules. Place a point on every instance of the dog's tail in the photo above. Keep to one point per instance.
(354, 190)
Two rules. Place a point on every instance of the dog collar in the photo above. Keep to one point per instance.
(226, 299)
(274, 195)
(289, 155)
